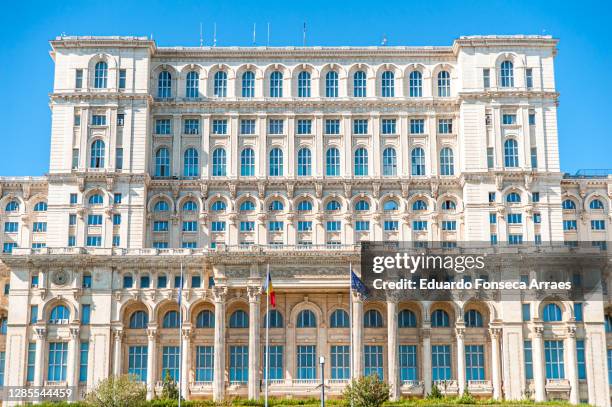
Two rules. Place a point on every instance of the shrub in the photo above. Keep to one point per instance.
(118, 391)
(466, 398)
(366, 391)
(169, 389)
(435, 392)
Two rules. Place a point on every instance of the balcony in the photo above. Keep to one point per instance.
(412, 387)
(480, 387)
(557, 385)
(447, 387)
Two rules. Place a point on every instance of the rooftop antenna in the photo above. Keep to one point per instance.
(304, 35)
(268, 41)
(254, 34)
(215, 35)
(201, 36)
(384, 40)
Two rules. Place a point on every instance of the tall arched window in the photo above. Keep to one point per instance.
(362, 205)
(552, 313)
(220, 84)
(12, 206)
(59, 315)
(304, 84)
(192, 85)
(391, 206)
(306, 319)
(162, 163)
(239, 319)
(190, 163)
(361, 162)
(101, 75)
(339, 319)
(359, 84)
(164, 85)
(406, 319)
(276, 206)
(439, 319)
(333, 206)
(40, 206)
(161, 206)
(96, 199)
(171, 320)
(192, 206)
(511, 153)
(513, 197)
(332, 162)
(418, 161)
(219, 161)
(444, 84)
(247, 206)
(447, 162)
(507, 74)
(276, 84)
(248, 84)
(568, 204)
(205, 319)
(218, 206)
(304, 206)
(304, 162)
(387, 89)
(247, 162)
(275, 318)
(97, 154)
(331, 84)
(372, 319)
(276, 162)
(389, 162)
(416, 84)
(139, 320)
(473, 319)
(419, 205)
(596, 204)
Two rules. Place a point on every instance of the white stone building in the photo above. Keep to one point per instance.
(225, 160)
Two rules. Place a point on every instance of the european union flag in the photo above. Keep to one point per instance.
(358, 285)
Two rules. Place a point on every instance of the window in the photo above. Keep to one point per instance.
(83, 356)
(239, 319)
(553, 352)
(408, 362)
(507, 74)
(75, 158)
(598, 224)
(535, 197)
(532, 118)
(162, 126)
(387, 84)
(58, 358)
(164, 85)
(119, 158)
(491, 197)
(71, 241)
(596, 204)
(306, 319)
(417, 126)
(239, 364)
(31, 362)
(513, 197)
(160, 226)
(304, 126)
(362, 205)
(360, 126)
(275, 361)
(304, 206)
(361, 162)
(373, 358)
(508, 119)
(406, 319)
(219, 126)
(190, 226)
(276, 84)
(331, 84)
(275, 226)
(11, 227)
(304, 162)
(526, 312)
(388, 126)
(220, 84)
(190, 163)
(59, 315)
(340, 362)
(116, 219)
(474, 362)
(515, 218)
(445, 126)
(122, 78)
(493, 239)
(97, 154)
(486, 78)
(217, 226)
(359, 84)
(449, 225)
(449, 205)
(276, 162)
(578, 311)
(332, 126)
(275, 206)
(137, 362)
(100, 75)
(390, 225)
(192, 85)
(418, 161)
(139, 320)
(511, 153)
(339, 319)
(304, 84)
(447, 165)
(247, 162)
(552, 313)
(219, 161)
(581, 360)
(389, 162)
(515, 239)
(473, 319)
(440, 362)
(372, 319)
(416, 84)
(443, 84)
(12, 206)
(78, 79)
(162, 162)
(276, 126)
(304, 226)
(537, 217)
(171, 320)
(332, 162)
(8, 247)
(248, 84)
(306, 362)
(419, 205)
(439, 319)
(170, 362)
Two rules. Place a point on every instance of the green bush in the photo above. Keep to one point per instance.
(118, 391)
(366, 391)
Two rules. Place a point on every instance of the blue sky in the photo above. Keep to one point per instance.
(582, 66)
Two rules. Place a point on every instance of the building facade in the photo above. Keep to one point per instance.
(217, 162)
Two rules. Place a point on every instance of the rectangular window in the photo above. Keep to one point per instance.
(493, 239)
(196, 281)
(474, 362)
(417, 126)
(553, 352)
(333, 226)
(275, 226)
(8, 247)
(440, 362)
(388, 126)
(116, 240)
(145, 281)
(486, 78)
(578, 311)
(306, 362)
(71, 241)
(362, 225)
(247, 127)
(490, 158)
(247, 226)
(515, 239)
(116, 219)
(219, 126)
(528, 355)
(304, 126)
(73, 199)
(86, 281)
(31, 367)
(276, 126)
(85, 314)
(58, 357)
(537, 218)
(532, 118)
(360, 126)
(34, 281)
(535, 197)
(75, 158)
(449, 225)
(508, 119)
(332, 126)
(160, 226)
(117, 198)
(373, 360)
(204, 368)
(529, 78)
(492, 218)
(83, 357)
(391, 225)
(162, 126)
(177, 282)
(239, 364)
(218, 226)
(120, 119)
(160, 245)
(33, 314)
(275, 362)
(191, 126)
(119, 158)
(94, 220)
(569, 225)
(526, 311)
(162, 281)
(137, 362)
(445, 126)
(170, 362)
(39, 227)
(78, 80)
(580, 359)
(515, 218)
(11, 227)
(122, 78)
(39, 245)
(77, 119)
(98, 120)
(340, 362)
(598, 224)
(190, 226)
(408, 363)
(491, 197)
(534, 157)
(94, 240)
(304, 226)
(419, 225)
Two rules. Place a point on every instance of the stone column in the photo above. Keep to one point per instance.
(118, 336)
(185, 358)
(460, 334)
(392, 347)
(151, 360)
(495, 365)
(538, 364)
(73, 358)
(39, 372)
(254, 348)
(219, 294)
(572, 367)
(357, 332)
(426, 355)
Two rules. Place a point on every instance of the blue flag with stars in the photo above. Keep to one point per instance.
(358, 285)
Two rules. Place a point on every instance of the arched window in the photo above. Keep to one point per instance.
(218, 206)
(276, 84)
(511, 153)
(390, 205)
(171, 320)
(220, 84)
(387, 89)
(331, 84)
(239, 319)
(304, 206)
(513, 197)
(507, 74)
(190, 206)
(59, 315)
(372, 319)
(97, 154)
(192, 85)
(306, 319)
(443, 84)
(389, 162)
(276, 319)
(568, 204)
(219, 160)
(339, 319)
(247, 206)
(304, 162)
(359, 84)
(100, 75)
(247, 162)
(447, 162)
(304, 84)
(361, 162)
(276, 162)
(12, 206)
(248, 84)
(362, 205)
(162, 162)
(418, 161)
(333, 206)
(552, 313)
(161, 206)
(439, 319)
(473, 319)
(332, 162)
(205, 319)
(164, 85)
(596, 204)
(139, 320)
(96, 199)
(406, 319)
(40, 206)
(449, 205)
(276, 206)
(190, 161)
(419, 205)
(416, 84)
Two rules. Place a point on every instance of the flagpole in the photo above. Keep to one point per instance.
(267, 375)
(351, 320)
(180, 373)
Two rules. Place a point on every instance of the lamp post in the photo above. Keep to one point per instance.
(322, 363)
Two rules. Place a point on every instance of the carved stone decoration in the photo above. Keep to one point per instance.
(261, 190)
(176, 189)
(405, 189)
(60, 277)
(110, 183)
(583, 189)
(318, 190)
(232, 187)
(528, 181)
(290, 189)
(204, 190)
(253, 293)
(376, 189)
(27, 190)
(81, 184)
(348, 190)
(460, 332)
(1, 191)
(499, 182)
(435, 186)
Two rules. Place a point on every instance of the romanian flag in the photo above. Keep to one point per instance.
(269, 289)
